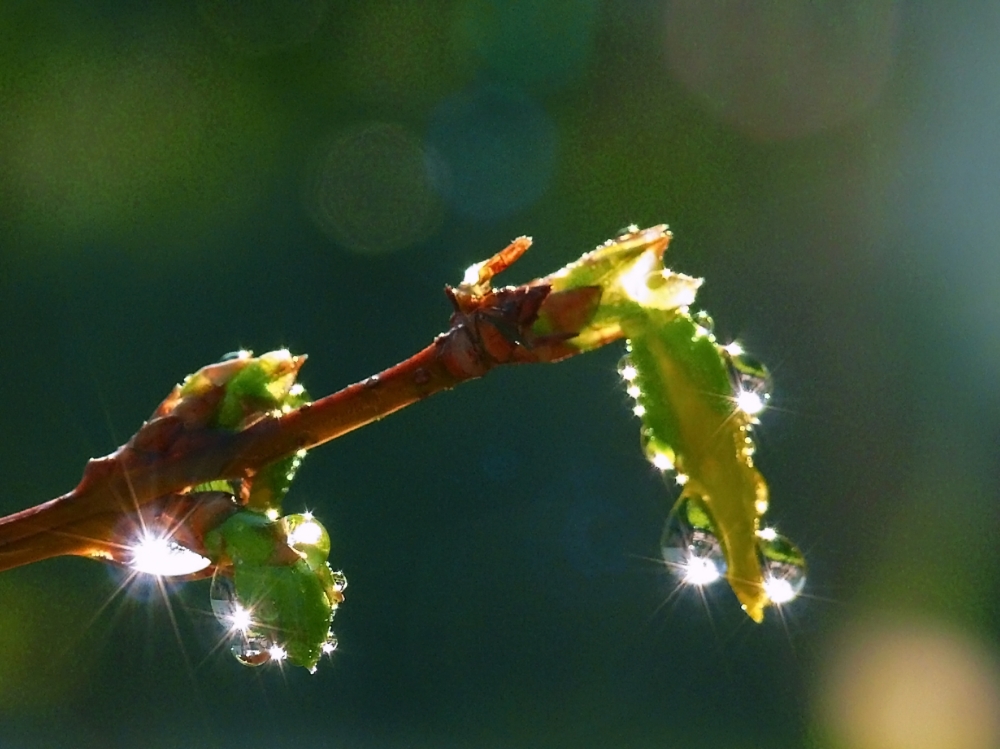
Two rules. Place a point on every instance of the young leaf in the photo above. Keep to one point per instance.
(283, 589)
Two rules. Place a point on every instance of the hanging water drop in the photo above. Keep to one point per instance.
(750, 378)
(689, 545)
(223, 598)
(330, 645)
(163, 557)
(657, 452)
(783, 565)
(704, 322)
(252, 650)
(339, 581)
(627, 370)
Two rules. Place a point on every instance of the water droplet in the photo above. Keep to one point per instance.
(241, 354)
(330, 645)
(705, 323)
(657, 452)
(162, 556)
(751, 380)
(689, 545)
(223, 597)
(783, 565)
(627, 370)
(252, 650)
(339, 580)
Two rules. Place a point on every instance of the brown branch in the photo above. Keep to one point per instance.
(150, 474)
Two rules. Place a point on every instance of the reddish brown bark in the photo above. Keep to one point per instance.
(150, 474)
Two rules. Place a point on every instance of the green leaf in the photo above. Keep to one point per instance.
(629, 272)
(686, 402)
(282, 580)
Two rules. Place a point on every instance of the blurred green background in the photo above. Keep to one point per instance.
(178, 180)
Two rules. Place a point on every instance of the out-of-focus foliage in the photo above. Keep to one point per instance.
(174, 183)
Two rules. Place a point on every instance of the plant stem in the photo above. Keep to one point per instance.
(166, 458)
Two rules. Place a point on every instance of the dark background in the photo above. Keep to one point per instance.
(178, 180)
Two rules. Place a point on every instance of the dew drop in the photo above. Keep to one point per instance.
(783, 566)
(705, 323)
(223, 598)
(657, 452)
(162, 556)
(339, 580)
(627, 370)
(750, 378)
(250, 646)
(690, 546)
(252, 650)
(232, 355)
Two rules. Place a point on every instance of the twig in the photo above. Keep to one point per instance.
(151, 473)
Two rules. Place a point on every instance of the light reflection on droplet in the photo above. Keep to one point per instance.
(662, 461)
(241, 619)
(783, 566)
(749, 402)
(779, 590)
(161, 556)
(689, 545)
(251, 650)
(307, 533)
(698, 571)
(339, 580)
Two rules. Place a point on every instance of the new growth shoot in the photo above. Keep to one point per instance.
(201, 485)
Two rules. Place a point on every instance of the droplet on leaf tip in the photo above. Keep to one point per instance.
(690, 546)
(783, 566)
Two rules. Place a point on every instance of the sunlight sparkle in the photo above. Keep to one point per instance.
(307, 533)
(779, 590)
(242, 619)
(156, 555)
(471, 277)
(663, 462)
(700, 571)
(749, 402)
